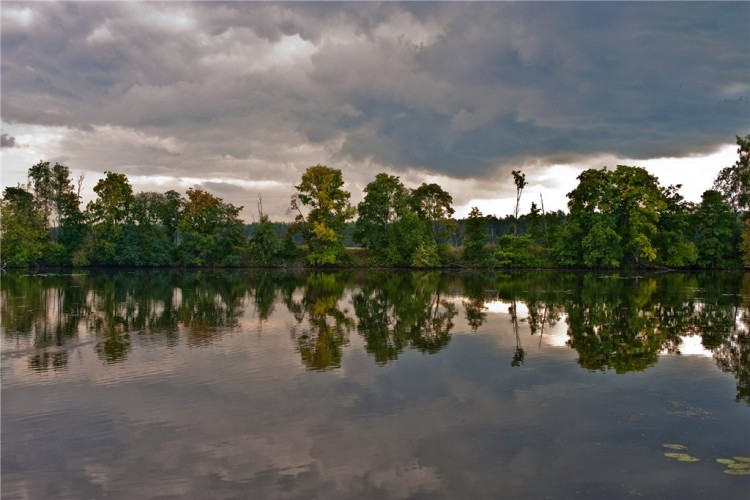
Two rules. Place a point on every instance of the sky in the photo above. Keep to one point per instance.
(240, 98)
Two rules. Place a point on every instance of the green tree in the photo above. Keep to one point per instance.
(475, 237)
(673, 244)
(434, 205)
(384, 203)
(107, 214)
(23, 233)
(265, 244)
(734, 182)
(613, 218)
(410, 242)
(745, 244)
(716, 230)
(321, 191)
(211, 231)
(147, 238)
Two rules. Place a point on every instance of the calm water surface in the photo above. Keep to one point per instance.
(373, 385)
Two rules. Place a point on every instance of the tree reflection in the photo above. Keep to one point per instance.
(396, 311)
(618, 323)
(321, 338)
(613, 326)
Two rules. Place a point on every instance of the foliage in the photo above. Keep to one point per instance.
(384, 203)
(211, 232)
(405, 236)
(23, 234)
(715, 230)
(475, 236)
(673, 239)
(745, 245)
(107, 214)
(734, 182)
(321, 190)
(613, 218)
(433, 204)
(519, 251)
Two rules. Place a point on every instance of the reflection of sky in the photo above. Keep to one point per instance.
(241, 417)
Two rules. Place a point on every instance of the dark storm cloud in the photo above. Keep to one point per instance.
(261, 90)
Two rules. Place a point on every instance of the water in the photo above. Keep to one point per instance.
(247, 384)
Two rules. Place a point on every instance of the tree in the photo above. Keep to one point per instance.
(211, 231)
(384, 203)
(434, 205)
(23, 233)
(265, 243)
(745, 245)
(716, 230)
(107, 213)
(734, 182)
(520, 181)
(475, 237)
(321, 190)
(148, 233)
(673, 244)
(613, 218)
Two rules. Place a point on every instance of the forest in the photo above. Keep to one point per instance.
(620, 218)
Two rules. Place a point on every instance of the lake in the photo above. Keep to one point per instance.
(364, 384)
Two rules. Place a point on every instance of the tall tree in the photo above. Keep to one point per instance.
(734, 181)
(716, 230)
(211, 231)
(23, 233)
(322, 192)
(519, 179)
(384, 203)
(107, 213)
(613, 218)
(435, 205)
(475, 236)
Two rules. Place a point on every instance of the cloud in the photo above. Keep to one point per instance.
(7, 141)
(260, 91)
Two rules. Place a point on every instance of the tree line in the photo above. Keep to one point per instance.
(621, 218)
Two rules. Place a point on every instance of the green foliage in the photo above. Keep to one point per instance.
(107, 214)
(602, 245)
(716, 230)
(384, 202)
(405, 236)
(745, 244)
(519, 251)
(435, 205)
(620, 207)
(265, 244)
(475, 237)
(734, 182)
(212, 234)
(321, 190)
(425, 255)
(674, 248)
(24, 238)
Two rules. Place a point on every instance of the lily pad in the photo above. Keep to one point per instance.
(743, 459)
(675, 446)
(682, 457)
(738, 472)
(738, 466)
(725, 461)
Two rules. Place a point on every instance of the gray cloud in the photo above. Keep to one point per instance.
(260, 91)
(7, 141)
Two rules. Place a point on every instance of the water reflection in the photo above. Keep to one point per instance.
(620, 323)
